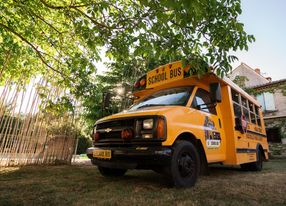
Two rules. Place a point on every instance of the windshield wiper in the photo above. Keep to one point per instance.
(151, 105)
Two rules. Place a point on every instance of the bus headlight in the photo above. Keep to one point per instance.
(148, 124)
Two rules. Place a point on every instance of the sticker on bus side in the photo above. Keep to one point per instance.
(213, 143)
(213, 139)
(164, 74)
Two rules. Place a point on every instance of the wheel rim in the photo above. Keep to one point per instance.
(186, 164)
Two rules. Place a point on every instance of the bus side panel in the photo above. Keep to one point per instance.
(246, 148)
(247, 143)
(228, 124)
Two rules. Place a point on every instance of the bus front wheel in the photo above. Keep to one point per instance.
(185, 164)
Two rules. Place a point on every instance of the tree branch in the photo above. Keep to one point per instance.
(32, 13)
(76, 7)
(42, 19)
(91, 19)
(62, 7)
(34, 48)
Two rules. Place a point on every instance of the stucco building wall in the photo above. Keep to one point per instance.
(280, 104)
(253, 77)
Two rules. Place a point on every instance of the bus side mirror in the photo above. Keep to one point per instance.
(215, 91)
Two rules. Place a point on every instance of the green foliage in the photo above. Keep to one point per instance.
(65, 128)
(10, 124)
(63, 39)
(60, 107)
(83, 144)
(241, 81)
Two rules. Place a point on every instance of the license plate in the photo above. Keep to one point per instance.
(102, 154)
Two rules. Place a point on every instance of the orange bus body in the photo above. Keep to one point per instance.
(231, 131)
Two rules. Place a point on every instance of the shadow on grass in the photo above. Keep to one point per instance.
(83, 185)
(215, 171)
(149, 177)
(90, 173)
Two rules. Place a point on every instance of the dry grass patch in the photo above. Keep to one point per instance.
(83, 185)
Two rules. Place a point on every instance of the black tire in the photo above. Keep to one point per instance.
(111, 172)
(185, 164)
(254, 166)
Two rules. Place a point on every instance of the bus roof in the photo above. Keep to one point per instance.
(240, 90)
(172, 74)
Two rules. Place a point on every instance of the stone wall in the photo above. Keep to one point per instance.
(280, 103)
(277, 123)
(277, 150)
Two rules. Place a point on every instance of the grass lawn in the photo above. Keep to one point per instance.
(83, 185)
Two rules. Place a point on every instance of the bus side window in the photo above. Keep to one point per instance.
(244, 103)
(257, 116)
(203, 98)
(237, 109)
(236, 105)
(235, 96)
(252, 113)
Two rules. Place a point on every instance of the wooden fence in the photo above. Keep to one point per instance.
(30, 135)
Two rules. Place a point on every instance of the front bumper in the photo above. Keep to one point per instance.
(135, 157)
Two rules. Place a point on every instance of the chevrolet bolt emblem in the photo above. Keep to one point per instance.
(108, 130)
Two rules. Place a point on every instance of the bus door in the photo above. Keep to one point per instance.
(208, 118)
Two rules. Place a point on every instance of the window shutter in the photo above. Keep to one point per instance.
(269, 101)
(260, 99)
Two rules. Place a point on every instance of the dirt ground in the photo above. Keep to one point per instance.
(83, 185)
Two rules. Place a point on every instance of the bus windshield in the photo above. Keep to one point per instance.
(174, 96)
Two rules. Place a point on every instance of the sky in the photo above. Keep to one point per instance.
(266, 20)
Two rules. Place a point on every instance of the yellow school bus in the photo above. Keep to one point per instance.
(180, 123)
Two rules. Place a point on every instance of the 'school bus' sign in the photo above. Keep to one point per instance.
(165, 74)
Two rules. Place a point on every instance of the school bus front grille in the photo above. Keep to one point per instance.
(115, 124)
(112, 129)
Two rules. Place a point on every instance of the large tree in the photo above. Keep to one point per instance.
(63, 39)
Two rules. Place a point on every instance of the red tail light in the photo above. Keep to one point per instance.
(140, 83)
(137, 84)
(127, 134)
